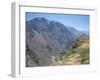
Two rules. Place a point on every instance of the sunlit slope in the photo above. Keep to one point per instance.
(78, 54)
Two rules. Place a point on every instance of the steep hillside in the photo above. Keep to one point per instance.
(46, 40)
(78, 53)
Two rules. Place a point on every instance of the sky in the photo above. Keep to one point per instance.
(79, 22)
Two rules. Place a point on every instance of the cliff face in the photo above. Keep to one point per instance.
(45, 39)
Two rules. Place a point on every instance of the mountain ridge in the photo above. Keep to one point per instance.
(46, 39)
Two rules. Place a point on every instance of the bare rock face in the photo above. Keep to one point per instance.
(45, 39)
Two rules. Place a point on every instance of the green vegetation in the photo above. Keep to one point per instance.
(84, 54)
(79, 53)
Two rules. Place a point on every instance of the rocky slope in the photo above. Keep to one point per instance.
(46, 40)
(78, 54)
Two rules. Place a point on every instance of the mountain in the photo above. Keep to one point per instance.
(46, 40)
(78, 54)
(85, 32)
